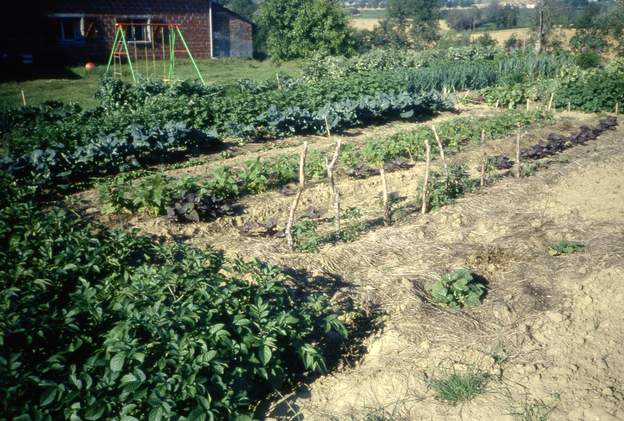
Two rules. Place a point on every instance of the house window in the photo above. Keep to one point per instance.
(137, 29)
(69, 29)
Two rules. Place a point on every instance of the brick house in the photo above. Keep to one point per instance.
(81, 30)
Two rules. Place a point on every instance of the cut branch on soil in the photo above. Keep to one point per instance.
(293, 208)
(483, 160)
(441, 148)
(386, 201)
(518, 164)
(331, 178)
(426, 182)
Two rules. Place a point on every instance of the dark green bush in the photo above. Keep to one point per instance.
(593, 91)
(587, 60)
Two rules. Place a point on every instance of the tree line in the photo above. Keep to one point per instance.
(292, 29)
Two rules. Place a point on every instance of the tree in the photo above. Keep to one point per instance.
(464, 19)
(302, 28)
(418, 17)
(245, 8)
(545, 12)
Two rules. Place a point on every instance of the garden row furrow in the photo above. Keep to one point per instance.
(193, 198)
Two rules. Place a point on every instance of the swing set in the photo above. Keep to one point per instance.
(151, 43)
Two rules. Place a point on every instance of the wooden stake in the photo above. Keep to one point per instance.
(528, 104)
(497, 102)
(617, 106)
(518, 164)
(293, 208)
(331, 178)
(24, 99)
(423, 209)
(441, 148)
(569, 106)
(483, 159)
(386, 203)
(552, 96)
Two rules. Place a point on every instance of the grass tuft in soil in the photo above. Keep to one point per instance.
(460, 387)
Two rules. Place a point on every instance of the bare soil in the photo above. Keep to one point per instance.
(550, 331)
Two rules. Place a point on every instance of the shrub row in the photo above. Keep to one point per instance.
(592, 90)
(98, 324)
(319, 68)
(381, 60)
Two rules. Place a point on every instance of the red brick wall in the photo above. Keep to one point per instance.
(193, 16)
(194, 26)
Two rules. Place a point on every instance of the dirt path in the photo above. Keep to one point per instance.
(550, 330)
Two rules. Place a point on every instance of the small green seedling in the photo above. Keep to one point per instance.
(565, 247)
(458, 289)
(460, 387)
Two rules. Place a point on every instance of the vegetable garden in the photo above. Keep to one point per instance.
(107, 323)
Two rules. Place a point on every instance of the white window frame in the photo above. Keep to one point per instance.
(80, 36)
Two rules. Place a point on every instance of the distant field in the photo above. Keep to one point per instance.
(502, 35)
(367, 24)
(499, 35)
(79, 86)
(371, 14)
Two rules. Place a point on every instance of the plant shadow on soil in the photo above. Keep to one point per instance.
(364, 321)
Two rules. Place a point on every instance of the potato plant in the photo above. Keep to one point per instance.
(99, 324)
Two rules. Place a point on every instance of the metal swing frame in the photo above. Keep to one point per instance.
(121, 50)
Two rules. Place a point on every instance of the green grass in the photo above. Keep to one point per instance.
(459, 387)
(78, 85)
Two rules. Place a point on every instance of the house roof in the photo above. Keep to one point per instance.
(243, 18)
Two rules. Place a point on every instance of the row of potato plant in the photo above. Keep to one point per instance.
(437, 188)
(100, 324)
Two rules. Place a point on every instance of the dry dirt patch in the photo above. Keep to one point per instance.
(550, 331)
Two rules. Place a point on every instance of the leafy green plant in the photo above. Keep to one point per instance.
(460, 387)
(565, 247)
(354, 227)
(150, 195)
(315, 165)
(223, 183)
(442, 192)
(254, 177)
(528, 169)
(457, 289)
(306, 238)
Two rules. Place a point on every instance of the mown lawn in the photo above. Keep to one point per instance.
(78, 85)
